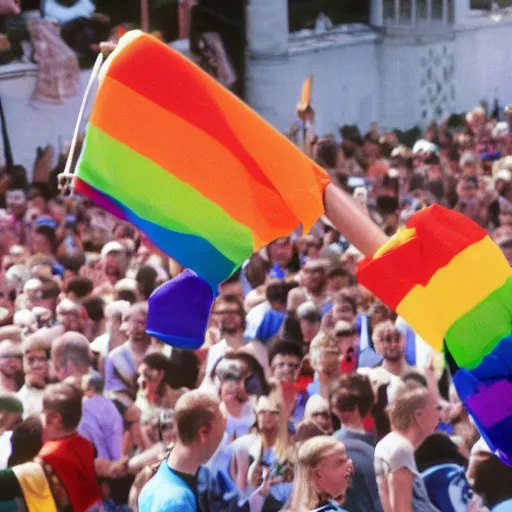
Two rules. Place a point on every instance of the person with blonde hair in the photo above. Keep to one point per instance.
(36, 358)
(414, 415)
(322, 476)
(325, 359)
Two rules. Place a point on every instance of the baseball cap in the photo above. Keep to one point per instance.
(111, 247)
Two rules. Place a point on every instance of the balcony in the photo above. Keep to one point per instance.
(421, 20)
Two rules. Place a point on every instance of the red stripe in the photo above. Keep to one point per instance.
(441, 234)
(165, 77)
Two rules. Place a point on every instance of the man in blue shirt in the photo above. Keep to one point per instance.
(200, 427)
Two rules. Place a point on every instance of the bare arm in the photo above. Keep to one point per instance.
(239, 468)
(352, 222)
(400, 490)
(107, 469)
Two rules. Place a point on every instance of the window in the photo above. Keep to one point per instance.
(486, 5)
(302, 14)
(412, 12)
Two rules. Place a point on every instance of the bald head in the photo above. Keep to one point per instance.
(71, 355)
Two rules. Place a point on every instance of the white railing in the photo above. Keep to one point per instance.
(417, 17)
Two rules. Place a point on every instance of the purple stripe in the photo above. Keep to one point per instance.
(100, 199)
(491, 404)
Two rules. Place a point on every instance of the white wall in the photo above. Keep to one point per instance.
(357, 79)
(345, 86)
(33, 123)
(398, 85)
(484, 65)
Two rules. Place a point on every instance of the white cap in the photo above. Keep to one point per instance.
(111, 247)
(316, 403)
(32, 284)
(425, 146)
(126, 284)
(68, 306)
(501, 128)
(503, 174)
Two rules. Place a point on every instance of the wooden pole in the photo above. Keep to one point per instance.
(144, 15)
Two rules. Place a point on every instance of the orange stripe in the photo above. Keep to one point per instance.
(299, 181)
(183, 149)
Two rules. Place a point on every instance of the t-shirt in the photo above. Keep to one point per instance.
(363, 493)
(394, 452)
(32, 400)
(102, 424)
(270, 325)
(100, 344)
(235, 429)
(344, 434)
(167, 491)
(505, 506)
(254, 319)
(190, 480)
(5, 448)
(121, 371)
(72, 459)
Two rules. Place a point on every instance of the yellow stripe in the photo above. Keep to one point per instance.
(34, 485)
(454, 290)
(402, 236)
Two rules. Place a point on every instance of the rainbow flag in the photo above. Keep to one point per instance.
(170, 150)
(453, 286)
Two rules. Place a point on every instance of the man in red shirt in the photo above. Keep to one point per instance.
(66, 454)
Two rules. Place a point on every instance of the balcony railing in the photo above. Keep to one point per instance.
(418, 18)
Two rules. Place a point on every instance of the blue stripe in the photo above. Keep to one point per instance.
(494, 367)
(190, 251)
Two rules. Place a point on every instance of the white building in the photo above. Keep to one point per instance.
(420, 60)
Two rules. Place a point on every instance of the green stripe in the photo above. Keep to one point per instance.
(476, 334)
(154, 194)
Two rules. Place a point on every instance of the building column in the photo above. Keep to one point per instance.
(377, 13)
(267, 27)
(461, 11)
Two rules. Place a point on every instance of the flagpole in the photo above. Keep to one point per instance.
(144, 15)
(305, 112)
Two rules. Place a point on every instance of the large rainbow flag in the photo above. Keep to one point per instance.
(171, 151)
(453, 286)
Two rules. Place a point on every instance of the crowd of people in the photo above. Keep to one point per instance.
(308, 393)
